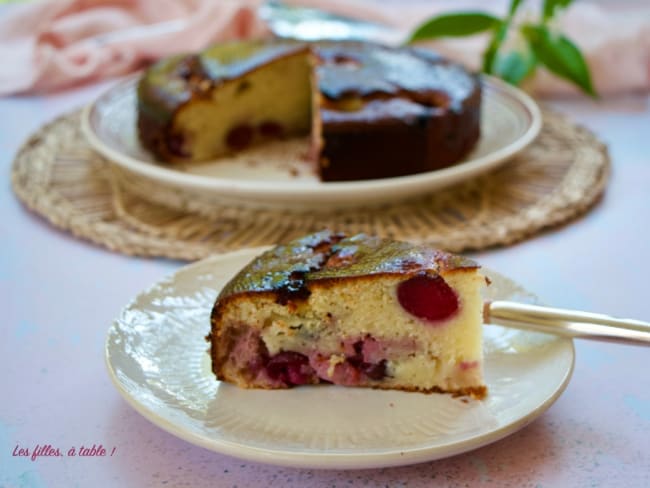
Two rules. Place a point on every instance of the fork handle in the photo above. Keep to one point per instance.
(568, 323)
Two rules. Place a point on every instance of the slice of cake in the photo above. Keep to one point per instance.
(372, 111)
(354, 311)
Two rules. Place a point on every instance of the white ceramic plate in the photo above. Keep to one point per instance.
(157, 357)
(277, 175)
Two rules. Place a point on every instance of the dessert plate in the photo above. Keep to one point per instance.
(277, 175)
(157, 358)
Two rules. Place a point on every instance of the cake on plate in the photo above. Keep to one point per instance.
(354, 311)
(371, 111)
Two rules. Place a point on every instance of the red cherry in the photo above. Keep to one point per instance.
(176, 146)
(376, 371)
(291, 368)
(240, 137)
(272, 129)
(427, 297)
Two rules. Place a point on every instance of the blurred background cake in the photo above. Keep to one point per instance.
(372, 111)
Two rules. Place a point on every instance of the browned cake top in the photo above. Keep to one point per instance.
(373, 71)
(289, 269)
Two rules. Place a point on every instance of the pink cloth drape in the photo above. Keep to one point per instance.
(53, 44)
(57, 43)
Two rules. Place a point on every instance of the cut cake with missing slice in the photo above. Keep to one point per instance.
(372, 111)
(353, 311)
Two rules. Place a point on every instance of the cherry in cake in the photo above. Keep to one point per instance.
(354, 311)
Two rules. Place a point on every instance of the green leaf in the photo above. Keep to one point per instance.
(454, 25)
(550, 6)
(560, 56)
(514, 66)
(489, 55)
(514, 5)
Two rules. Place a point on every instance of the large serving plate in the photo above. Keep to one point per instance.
(277, 174)
(157, 358)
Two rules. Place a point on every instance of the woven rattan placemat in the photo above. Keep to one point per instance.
(558, 177)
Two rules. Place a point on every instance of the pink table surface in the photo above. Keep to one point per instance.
(59, 294)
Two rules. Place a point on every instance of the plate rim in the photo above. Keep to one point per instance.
(243, 187)
(315, 460)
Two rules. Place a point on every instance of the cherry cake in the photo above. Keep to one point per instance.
(371, 111)
(353, 311)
